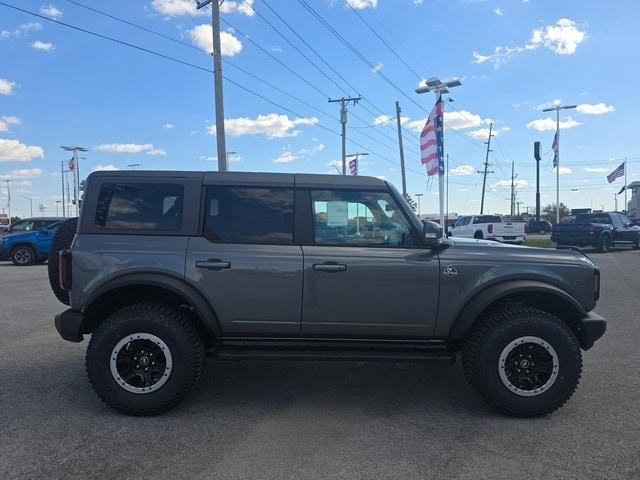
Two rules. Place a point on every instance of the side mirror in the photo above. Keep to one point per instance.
(431, 232)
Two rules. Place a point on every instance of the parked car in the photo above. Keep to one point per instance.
(489, 227)
(30, 224)
(599, 230)
(542, 227)
(163, 268)
(28, 247)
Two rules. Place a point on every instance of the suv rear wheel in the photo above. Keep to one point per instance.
(145, 358)
(523, 361)
(23, 255)
(604, 243)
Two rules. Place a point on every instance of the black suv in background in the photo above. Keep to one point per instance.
(599, 230)
(542, 227)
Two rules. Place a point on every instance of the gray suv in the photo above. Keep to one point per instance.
(166, 268)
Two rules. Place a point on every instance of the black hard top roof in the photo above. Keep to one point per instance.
(252, 178)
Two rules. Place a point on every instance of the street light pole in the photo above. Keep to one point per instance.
(30, 203)
(557, 109)
(418, 195)
(217, 80)
(76, 172)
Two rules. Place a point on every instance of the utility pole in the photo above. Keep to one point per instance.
(513, 188)
(217, 80)
(626, 205)
(615, 199)
(343, 120)
(557, 109)
(404, 179)
(418, 195)
(62, 175)
(536, 154)
(519, 203)
(486, 166)
(7, 181)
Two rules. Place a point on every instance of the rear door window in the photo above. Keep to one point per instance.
(140, 207)
(487, 219)
(249, 215)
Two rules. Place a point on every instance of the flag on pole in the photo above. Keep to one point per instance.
(622, 190)
(617, 173)
(432, 141)
(72, 164)
(554, 147)
(353, 166)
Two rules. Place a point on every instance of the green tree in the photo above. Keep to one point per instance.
(549, 212)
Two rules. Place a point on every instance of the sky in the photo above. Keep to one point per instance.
(61, 86)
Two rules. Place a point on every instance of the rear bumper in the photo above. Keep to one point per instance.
(592, 327)
(69, 325)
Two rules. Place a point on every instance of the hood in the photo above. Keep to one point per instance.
(473, 241)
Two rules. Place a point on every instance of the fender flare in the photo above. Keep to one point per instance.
(467, 316)
(174, 284)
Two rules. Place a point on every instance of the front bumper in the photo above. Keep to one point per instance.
(69, 325)
(592, 327)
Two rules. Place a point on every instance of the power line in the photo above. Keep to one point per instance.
(418, 76)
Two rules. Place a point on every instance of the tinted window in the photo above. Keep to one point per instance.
(358, 218)
(487, 219)
(624, 219)
(140, 206)
(249, 215)
(23, 226)
(617, 221)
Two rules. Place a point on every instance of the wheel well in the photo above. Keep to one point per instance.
(478, 234)
(548, 302)
(24, 244)
(117, 298)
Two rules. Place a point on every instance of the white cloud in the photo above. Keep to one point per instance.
(286, 157)
(361, 4)
(108, 167)
(44, 46)
(377, 67)
(22, 173)
(462, 170)
(553, 103)
(563, 170)
(147, 148)
(498, 11)
(596, 169)
(22, 30)
(458, 119)
(6, 122)
(6, 87)
(168, 126)
(483, 133)
(594, 108)
(270, 125)
(176, 8)
(15, 151)
(382, 119)
(562, 38)
(51, 11)
(548, 124)
(507, 183)
(201, 37)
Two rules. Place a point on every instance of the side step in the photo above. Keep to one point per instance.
(332, 350)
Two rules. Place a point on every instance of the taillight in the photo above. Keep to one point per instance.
(64, 269)
(490, 228)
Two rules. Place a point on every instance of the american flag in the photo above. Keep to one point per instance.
(432, 141)
(554, 147)
(72, 164)
(353, 166)
(617, 173)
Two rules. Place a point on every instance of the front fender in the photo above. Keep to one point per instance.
(470, 312)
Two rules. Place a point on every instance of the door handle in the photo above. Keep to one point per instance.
(213, 264)
(329, 267)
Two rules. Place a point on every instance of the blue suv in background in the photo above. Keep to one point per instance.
(28, 247)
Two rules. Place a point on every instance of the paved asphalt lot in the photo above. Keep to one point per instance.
(312, 420)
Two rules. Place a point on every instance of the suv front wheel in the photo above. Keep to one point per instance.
(523, 361)
(144, 359)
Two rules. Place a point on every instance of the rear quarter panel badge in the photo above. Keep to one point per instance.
(450, 271)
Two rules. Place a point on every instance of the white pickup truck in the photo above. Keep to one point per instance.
(489, 227)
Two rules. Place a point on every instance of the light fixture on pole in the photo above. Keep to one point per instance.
(438, 87)
(73, 166)
(418, 195)
(134, 165)
(557, 109)
(57, 206)
(354, 166)
(217, 80)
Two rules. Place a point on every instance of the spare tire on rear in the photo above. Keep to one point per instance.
(61, 241)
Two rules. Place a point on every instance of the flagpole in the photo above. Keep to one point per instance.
(625, 185)
(441, 172)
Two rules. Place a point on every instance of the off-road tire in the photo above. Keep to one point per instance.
(497, 329)
(604, 243)
(23, 255)
(61, 241)
(169, 324)
(636, 243)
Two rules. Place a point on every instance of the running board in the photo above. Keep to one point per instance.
(327, 350)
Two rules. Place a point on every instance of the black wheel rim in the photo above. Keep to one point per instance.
(528, 366)
(141, 363)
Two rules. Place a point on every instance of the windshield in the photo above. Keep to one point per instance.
(590, 218)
